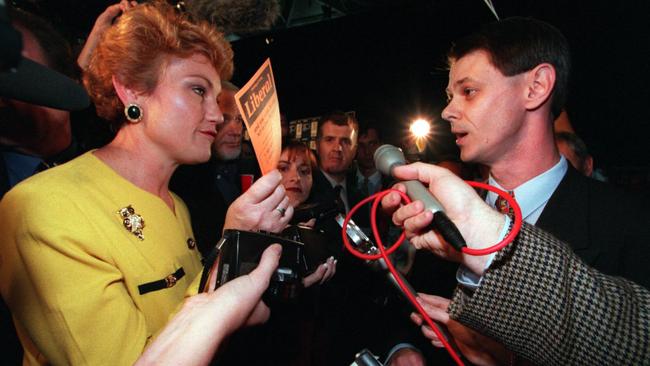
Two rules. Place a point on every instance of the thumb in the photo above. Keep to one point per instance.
(268, 264)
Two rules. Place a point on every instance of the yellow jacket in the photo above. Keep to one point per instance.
(71, 271)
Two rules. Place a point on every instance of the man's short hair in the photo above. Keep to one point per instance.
(574, 142)
(339, 118)
(366, 125)
(516, 45)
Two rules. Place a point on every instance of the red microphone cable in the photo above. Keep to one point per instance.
(384, 253)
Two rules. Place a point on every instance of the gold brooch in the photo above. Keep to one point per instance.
(132, 221)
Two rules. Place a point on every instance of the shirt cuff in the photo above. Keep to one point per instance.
(471, 280)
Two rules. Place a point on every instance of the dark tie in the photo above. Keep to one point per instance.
(337, 196)
(502, 205)
(365, 189)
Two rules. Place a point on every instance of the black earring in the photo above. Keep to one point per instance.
(133, 113)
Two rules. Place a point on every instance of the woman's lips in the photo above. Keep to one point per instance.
(212, 134)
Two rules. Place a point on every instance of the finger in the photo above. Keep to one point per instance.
(288, 213)
(423, 172)
(436, 343)
(333, 268)
(268, 263)
(259, 315)
(314, 277)
(430, 334)
(263, 187)
(329, 272)
(437, 177)
(433, 300)
(277, 199)
(416, 318)
(309, 223)
(435, 313)
(418, 223)
(391, 201)
(407, 211)
(279, 222)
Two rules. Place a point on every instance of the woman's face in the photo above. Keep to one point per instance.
(296, 176)
(181, 115)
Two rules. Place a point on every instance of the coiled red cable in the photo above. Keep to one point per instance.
(384, 253)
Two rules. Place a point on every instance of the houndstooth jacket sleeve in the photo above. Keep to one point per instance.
(547, 306)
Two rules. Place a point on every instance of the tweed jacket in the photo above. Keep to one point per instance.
(541, 301)
(81, 287)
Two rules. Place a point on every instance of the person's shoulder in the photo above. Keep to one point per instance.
(605, 194)
(57, 188)
(53, 179)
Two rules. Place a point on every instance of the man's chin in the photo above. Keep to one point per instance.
(334, 170)
(227, 154)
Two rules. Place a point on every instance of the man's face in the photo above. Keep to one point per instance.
(485, 109)
(227, 145)
(336, 147)
(368, 143)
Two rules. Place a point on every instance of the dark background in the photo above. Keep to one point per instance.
(387, 62)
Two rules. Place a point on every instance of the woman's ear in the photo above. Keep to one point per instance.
(126, 94)
(540, 84)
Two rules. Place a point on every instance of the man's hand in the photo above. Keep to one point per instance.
(102, 23)
(477, 348)
(479, 224)
(264, 206)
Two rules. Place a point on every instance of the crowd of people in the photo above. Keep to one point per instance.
(102, 245)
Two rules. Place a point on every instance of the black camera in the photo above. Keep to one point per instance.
(239, 252)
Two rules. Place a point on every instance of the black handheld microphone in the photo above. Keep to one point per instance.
(386, 158)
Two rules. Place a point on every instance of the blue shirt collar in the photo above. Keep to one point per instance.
(533, 194)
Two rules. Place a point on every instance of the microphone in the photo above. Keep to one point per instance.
(388, 157)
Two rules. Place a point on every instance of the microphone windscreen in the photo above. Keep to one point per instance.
(388, 156)
(236, 16)
(34, 83)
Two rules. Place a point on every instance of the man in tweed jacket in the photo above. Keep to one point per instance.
(536, 297)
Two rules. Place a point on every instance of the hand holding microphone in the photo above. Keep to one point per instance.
(480, 224)
(387, 157)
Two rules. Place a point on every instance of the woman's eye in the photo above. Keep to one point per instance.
(305, 171)
(282, 168)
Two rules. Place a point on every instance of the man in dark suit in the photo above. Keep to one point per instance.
(507, 83)
(336, 144)
(536, 296)
(505, 92)
(346, 314)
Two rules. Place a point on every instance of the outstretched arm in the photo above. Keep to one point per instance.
(196, 331)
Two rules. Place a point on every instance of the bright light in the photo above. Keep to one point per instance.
(420, 128)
